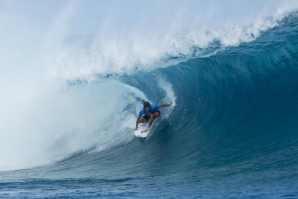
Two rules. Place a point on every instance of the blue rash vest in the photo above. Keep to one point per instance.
(153, 108)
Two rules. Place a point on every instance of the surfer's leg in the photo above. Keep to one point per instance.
(142, 120)
(145, 118)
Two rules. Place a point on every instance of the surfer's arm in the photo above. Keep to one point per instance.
(164, 105)
(150, 123)
(151, 120)
(137, 122)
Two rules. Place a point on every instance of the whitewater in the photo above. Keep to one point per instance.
(74, 74)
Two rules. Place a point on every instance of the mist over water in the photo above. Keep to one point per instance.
(61, 61)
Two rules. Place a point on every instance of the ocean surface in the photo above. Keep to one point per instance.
(231, 132)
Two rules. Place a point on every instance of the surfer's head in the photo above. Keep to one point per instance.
(146, 104)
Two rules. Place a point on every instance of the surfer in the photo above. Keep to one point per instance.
(149, 113)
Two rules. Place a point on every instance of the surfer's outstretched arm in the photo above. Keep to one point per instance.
(164, 105)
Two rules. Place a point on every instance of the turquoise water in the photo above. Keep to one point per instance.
(232, 131)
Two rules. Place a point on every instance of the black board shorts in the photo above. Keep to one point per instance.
(147, 117)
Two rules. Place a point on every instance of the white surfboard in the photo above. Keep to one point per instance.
(142, 127)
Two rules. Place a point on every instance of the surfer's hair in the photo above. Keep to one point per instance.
(146, 104)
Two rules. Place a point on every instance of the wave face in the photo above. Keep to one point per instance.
(232, 130)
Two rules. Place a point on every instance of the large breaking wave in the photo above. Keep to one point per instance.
(76, 91)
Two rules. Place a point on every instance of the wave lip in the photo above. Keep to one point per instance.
(117, 52)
